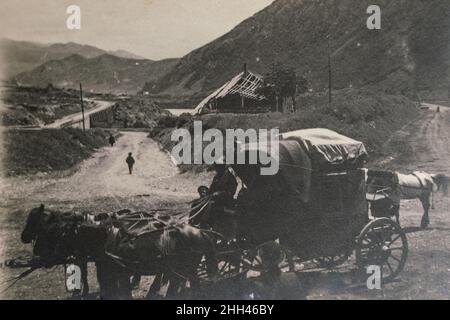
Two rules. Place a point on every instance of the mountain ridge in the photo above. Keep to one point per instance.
(410, 53)
(20, 56)
(105, 73)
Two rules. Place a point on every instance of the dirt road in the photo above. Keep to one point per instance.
(77, 117)
(105, 175)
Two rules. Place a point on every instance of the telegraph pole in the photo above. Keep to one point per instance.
(329, 71)
(448, 95)
(82, 107)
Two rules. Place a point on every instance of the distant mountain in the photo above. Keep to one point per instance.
(125, 54)
(20, 56)
(105, 73)
(410, 53)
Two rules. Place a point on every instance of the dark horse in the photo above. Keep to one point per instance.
(64, 238)
(174, 252)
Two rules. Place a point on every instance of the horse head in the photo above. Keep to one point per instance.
(52, 234)
(442, 181)
(33, 224)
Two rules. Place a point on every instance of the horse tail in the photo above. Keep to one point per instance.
(442, 181)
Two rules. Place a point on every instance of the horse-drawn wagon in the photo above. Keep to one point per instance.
(315, 206)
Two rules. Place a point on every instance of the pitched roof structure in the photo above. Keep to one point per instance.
(243, 84)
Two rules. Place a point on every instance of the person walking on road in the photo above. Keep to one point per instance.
(130, 161)
(112, 140)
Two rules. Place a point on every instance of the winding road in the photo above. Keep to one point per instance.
(78, 117)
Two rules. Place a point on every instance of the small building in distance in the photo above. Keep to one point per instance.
(239, 95)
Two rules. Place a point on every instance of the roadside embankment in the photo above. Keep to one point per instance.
(48, 150)
(362, 115)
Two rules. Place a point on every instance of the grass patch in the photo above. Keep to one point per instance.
(362, 115)
(30, 152)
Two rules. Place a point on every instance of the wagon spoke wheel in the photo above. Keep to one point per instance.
(229, 264)
(330, 262)
(382, 243)
(252, 262)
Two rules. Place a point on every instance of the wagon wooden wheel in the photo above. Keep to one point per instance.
(229, 263)
(382, 243)
(252, 260)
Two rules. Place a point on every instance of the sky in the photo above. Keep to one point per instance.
(154, 29)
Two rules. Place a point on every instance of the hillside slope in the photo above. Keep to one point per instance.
(358, 114)
(29, 152)
(410, 53)
(105, 73)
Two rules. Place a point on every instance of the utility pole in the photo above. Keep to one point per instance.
(448, 95)
(329, 71)
(82, 107)
(245, 77)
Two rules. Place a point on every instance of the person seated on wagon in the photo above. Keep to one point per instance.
(213, 201)
(224, 185)
(219, 203)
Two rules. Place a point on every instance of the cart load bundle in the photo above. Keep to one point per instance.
(328, 150)
(303, 156)
(305, 152)
(294, 170)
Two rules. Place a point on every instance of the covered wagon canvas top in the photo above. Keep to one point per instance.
(303, 152)
(328, 148)
(319, 150)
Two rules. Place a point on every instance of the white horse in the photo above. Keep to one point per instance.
(421, 185)
(418, 185)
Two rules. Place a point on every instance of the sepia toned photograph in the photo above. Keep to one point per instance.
(246, 150)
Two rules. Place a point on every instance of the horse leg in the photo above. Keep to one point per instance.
(173, 288)
(426, 207)
(124, 289)
(155, 286)
(284, 242)
(290, 260)
(107, 280)
(397, 213)
(212, 269)
(135, 281)
(432, 201)
(102, 279)
(116, 284)
(175, 283)
(84, 278)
